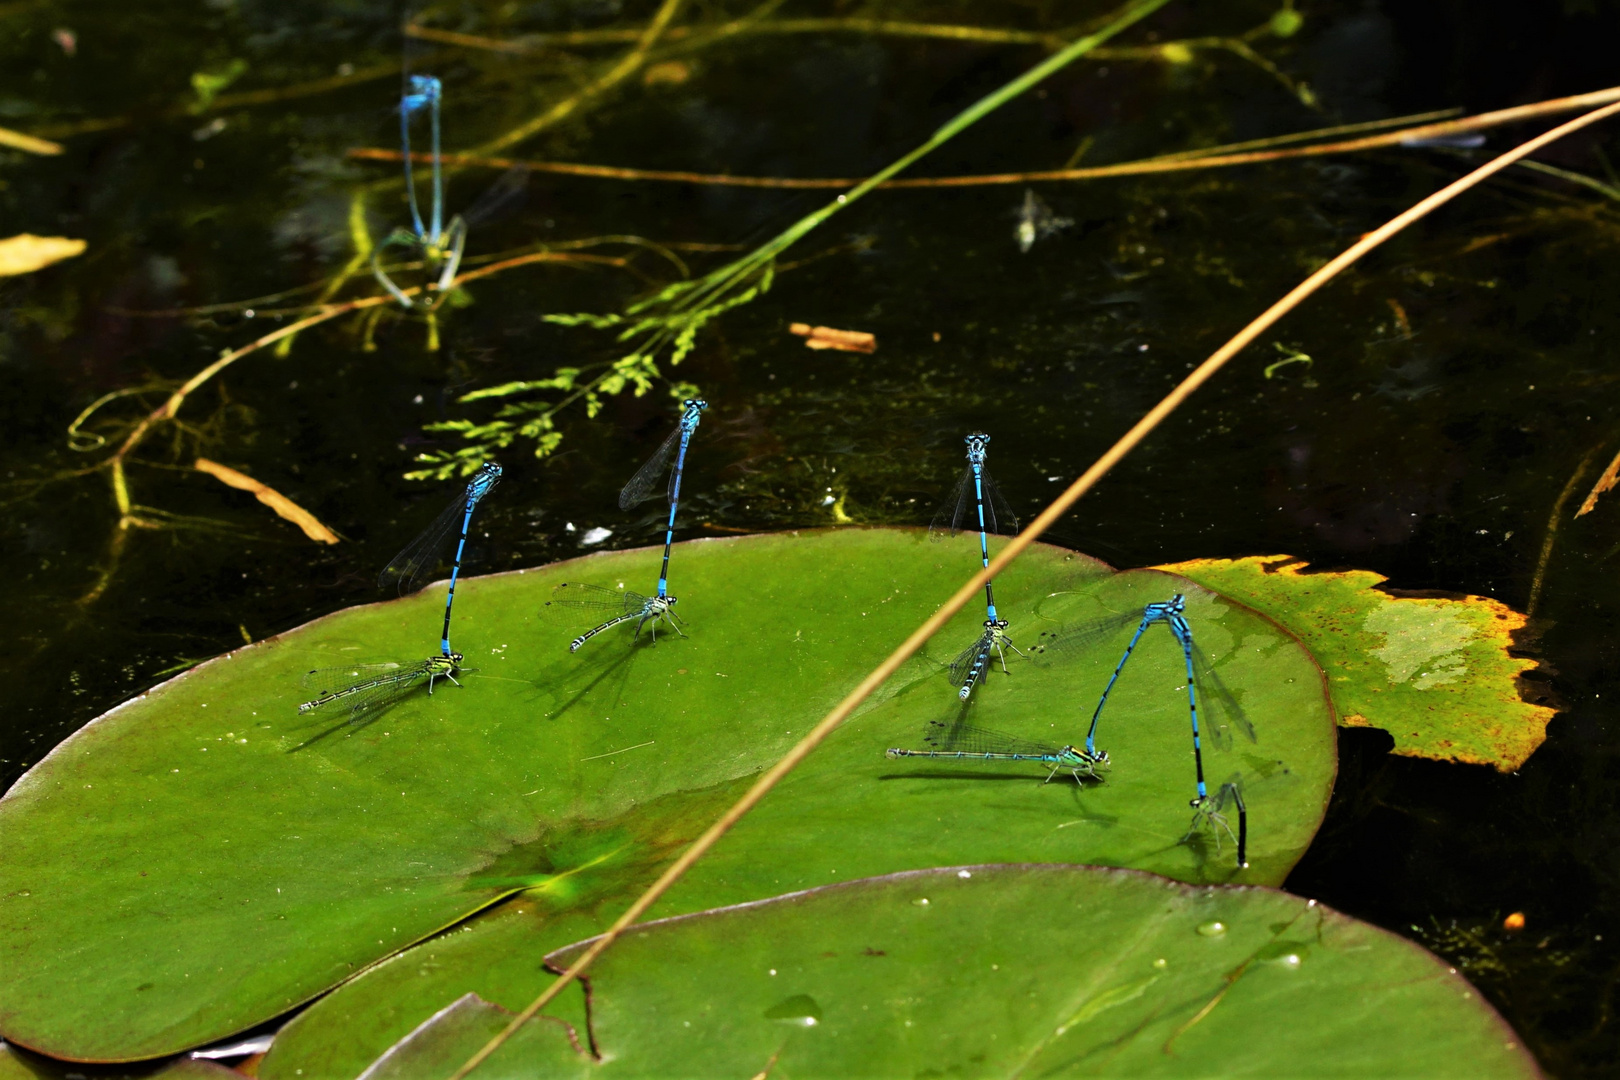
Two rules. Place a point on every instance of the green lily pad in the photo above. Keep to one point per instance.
(453, 1034)
(1434, 671)
(218, 859)
(1012, 971)
(19, 1065)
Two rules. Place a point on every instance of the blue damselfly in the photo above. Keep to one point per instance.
(440, 246)
(423, 553)
(615, 606)
(1172, 613)
(977, 500)
(620, 605)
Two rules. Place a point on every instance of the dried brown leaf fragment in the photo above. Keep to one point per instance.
(825, 337)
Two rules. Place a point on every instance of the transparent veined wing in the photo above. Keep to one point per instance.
(372, 695)
(642, 485)
(998, 515)
(1065, 641)
(1217, 703)
(571, 594)
(963, 664)
(422, 554)
(948, 518)
(328, 680)
(505, 195)
(961, 736)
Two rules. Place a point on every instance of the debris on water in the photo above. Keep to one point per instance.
(595, 536)
(1036, 221)
(825, 337)
(1463, 140)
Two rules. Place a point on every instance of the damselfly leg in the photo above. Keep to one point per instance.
(969, 667)
(1210, 811)
(615, 607)
(362, 692)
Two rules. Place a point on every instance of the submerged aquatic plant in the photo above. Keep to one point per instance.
(668, 322)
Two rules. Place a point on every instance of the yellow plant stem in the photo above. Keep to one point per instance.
(360, 237)
(1182, 161)
(1538, 580)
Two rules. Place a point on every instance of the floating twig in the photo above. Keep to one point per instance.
(272, 498)
(1605, 483)
(18, 141)
(25, 252)
(1182, 161)
(825, 337)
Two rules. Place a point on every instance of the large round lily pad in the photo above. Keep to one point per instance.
(1003, 971)
(216, 858)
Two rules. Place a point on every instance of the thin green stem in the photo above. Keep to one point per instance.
(1607, 190)
(716, 284)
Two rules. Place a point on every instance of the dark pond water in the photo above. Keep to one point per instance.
(1461, 376)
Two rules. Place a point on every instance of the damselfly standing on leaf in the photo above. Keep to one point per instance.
(368, 689)
(1172, 613)
(615, 606)
(961, 740)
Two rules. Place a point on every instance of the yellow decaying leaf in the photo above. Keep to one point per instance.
(272, 498)
(25, 252)
(1438, 672)
(18, 141)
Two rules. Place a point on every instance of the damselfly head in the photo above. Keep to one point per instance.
(1178, 604)
(976, 443)
(996, 624)
(455, 659)
(668, 600)
(425, 90)
(694, 403)
(484, 480)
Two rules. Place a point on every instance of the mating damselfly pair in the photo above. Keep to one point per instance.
(977, 500)
(439, 246)
(620, 606)
(364, 690)
(368, 689)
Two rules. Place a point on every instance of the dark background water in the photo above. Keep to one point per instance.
(1461, 375)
